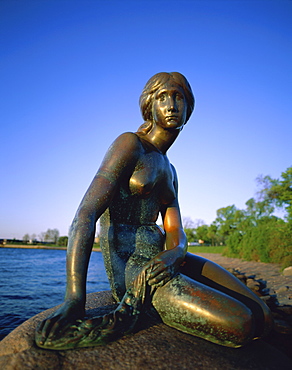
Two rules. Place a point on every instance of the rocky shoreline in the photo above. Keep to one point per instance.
(269, 277)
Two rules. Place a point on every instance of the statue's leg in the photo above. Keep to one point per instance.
(184, 303)
(125, 249)
(197, 309)
(214, 276)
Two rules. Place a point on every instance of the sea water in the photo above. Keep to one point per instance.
(33, 280)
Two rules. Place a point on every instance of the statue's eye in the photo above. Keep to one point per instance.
(161, 97)
(179, 97)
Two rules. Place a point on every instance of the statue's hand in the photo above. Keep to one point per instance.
(163, 267)
(52, 327)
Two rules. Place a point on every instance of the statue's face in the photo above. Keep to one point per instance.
(169, 107)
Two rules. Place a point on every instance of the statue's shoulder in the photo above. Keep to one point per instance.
(131, 136)
(128, 140)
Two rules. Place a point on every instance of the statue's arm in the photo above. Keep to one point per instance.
(174, 232)
(118, 163)
(175, 235)
(167, 263)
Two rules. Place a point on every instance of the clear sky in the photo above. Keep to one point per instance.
(71, 76)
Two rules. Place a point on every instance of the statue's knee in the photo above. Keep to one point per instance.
(236, 330)
(244, 330)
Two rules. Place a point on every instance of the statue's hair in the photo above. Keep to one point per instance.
(155, 83)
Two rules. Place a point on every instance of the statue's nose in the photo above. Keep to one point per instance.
(172, 105)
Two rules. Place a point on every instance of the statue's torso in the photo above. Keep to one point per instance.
(139, 198)
(129, 235)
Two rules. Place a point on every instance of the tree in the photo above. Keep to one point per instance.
(227, 220)
(281, 191)
(56, 235)
(189, 229)
(188, 223)
(278, 191)
(259, 209)
(190, 234)
(51, 235)
(212, 234)
(255, 233)
(202, 233)
(42, 236)
(63, 241)
(270, 240)
(199, 222)
(26, 238)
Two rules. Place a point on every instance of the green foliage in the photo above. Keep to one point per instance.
(281, 191)
(281, 244)
(202, 233)
(233, 245)
(227, 221)
(203, 249)
(278, 192)
(270, 240)
(214, 236)
(254, 244)
(254, 233)
(96, 244)
(63, 241)
(191, 234)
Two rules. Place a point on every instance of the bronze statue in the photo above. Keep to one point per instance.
(149, 269)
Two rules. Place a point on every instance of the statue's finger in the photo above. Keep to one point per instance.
(47, 327)
(40, 326)
(161, 283)
(57, 328)
(158, 278)
(43, 330)
(158, 270)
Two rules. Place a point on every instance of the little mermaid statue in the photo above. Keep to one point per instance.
(149, 268)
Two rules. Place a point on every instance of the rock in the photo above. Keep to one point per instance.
(282, 289)
(269, 300)
(155, 347)
(253, 285)
(266, 291)
(287, 271)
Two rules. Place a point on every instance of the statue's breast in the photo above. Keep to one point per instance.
(153, 173)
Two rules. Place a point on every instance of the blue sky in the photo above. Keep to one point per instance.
(71, 76)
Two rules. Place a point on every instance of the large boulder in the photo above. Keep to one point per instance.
(287, 271)
(154, 347)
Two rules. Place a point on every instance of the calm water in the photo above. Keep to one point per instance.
(33, 280)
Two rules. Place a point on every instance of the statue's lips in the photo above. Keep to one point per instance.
(169, 118)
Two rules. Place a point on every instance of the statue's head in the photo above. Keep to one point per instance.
(155, 83)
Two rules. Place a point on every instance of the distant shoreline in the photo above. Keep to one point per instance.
(20, 246)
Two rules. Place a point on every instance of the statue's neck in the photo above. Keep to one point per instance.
(161, 138)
